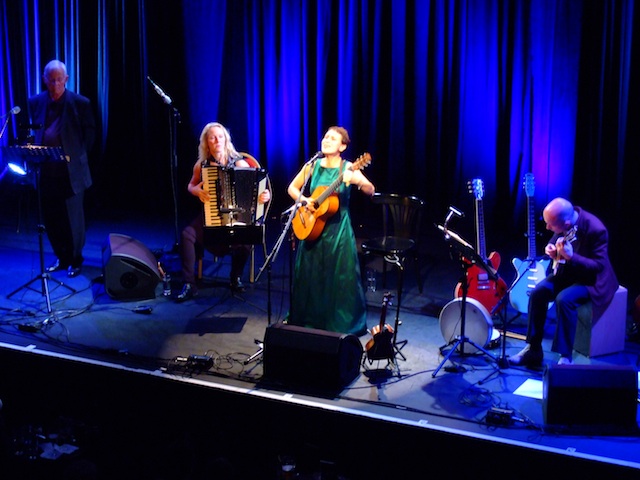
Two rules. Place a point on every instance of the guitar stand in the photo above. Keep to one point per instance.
(467, 257)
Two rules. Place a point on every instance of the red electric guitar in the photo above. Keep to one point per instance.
(487, 291)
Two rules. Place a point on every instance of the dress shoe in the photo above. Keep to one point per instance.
(73, 271)
(55, 267)
(188, 291)
(527, 357)
(236, 285)
(565, 361)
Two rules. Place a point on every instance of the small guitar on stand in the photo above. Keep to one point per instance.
(308, 225)
(529, 271)
(481, 287)
(380, 346)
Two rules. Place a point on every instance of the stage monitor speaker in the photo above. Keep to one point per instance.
(130, 269)
(310, 359)
(590, 396)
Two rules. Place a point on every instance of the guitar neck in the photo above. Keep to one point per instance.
(330, 189)
(481, 249)
(531, 230)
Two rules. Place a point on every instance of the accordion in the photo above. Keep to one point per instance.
(233, 214)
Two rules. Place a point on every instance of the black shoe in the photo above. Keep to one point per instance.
(188, 291)
(73, 271)
(527, 357)
(55, 267)
(237, 286)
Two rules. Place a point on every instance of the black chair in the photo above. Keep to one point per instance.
(401, 219)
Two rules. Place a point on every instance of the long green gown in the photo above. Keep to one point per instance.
(327, 288)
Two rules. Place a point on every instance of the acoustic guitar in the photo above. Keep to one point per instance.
(529, 272)
(380, 346)
(308, 225)
(481, 287)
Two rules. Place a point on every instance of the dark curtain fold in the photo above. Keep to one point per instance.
(438, 91)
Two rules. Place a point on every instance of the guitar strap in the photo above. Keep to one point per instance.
(306, 189)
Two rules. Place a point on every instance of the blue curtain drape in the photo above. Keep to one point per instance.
(438, 91)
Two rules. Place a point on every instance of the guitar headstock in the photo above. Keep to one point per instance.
(476, 188)
(572, 235)
(361, 162)
(529, 184)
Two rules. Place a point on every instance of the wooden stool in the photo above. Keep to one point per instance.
(607, 335)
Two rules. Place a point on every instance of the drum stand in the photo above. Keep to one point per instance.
(467, 257)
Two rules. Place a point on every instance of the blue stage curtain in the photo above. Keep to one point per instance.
(438, 91)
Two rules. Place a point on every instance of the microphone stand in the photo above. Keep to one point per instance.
(4, 125)
(272, 256)
(466, 256)
(174, 120)
(173, 129)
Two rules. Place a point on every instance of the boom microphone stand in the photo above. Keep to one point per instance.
(467, 257)
(274, 253)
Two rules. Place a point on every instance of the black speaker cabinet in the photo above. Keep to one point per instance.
(310, 358)
(590, 395)
(130, 269)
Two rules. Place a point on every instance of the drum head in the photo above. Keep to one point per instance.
(478, 324)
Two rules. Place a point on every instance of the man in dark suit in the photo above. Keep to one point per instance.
(68, 122)
(582, 272)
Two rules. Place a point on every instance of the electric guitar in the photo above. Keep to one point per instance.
(381, 345)
(480, 287)
(308, 225)
(529, 272)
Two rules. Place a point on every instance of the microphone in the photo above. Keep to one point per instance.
(165, 98)
(293, 207)
(14, 111)
(456, 211)
(452, 211)
(316, 156)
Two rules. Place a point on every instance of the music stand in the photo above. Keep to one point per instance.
(467, 256)
(35, 156)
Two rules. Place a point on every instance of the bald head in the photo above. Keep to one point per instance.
(559, 215)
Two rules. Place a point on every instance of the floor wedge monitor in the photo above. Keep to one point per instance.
(130, 269)
(602, 396)
(310, 358)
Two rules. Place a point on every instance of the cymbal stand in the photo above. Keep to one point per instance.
(44, 276)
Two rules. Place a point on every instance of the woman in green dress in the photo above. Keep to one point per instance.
(327, 288)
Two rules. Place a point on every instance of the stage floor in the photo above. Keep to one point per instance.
(208, 342)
